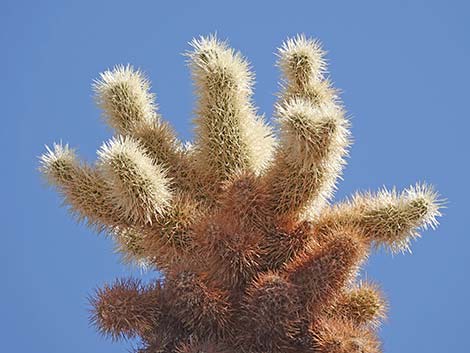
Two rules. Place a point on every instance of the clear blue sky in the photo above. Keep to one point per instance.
(403, 67)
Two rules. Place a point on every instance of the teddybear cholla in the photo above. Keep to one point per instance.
(253, 258)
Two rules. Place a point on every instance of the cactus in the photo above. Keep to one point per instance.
(252, 256)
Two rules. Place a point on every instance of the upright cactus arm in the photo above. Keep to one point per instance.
(125, 98)
(138, 173)
(314, 134)
(83, 187)
(140, 189)
(363, 305)
(230, 138)
(129, 107)
(322, 274)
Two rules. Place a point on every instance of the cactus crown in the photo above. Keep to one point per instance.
(253, 257)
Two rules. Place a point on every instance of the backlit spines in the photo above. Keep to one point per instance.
(252, 259)
(303, 65)
(228, 132)
(302, 62)
(261, 142)
(160, 143)
(337, 336)
(59, 164)
(123, 94)
(313, 130)
(129, 107)
(84, 189)
(313, 143)
(140, 188)
(362, 306)
(388, 218)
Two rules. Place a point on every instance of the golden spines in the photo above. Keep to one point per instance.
(229, 136)
(252, 261)
(123, 94)
(303, 66)
(159, 140)
(128, 196)
(140, 188)
(302, 62)
(82, 186)
(387, 218)
(337, 336)
(313, 130)
(363, 305)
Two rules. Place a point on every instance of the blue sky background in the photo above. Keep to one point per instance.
(403, 67)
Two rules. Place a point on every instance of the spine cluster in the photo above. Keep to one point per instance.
(253, 257)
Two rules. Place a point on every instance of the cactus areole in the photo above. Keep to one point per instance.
(253, 257)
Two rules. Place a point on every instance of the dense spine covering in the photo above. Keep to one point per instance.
(229, 137)
(139, 187)
(252, 256)
(126, 308)
(313, 130)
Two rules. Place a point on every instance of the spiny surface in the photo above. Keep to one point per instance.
(252, 256)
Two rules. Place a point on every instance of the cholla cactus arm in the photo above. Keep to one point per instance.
(387, 217)
(229, 137)
(203, 309)
(162, 243)
(322, 274)
(252, 260)
(333, 336)
(124, 95)
(129, 107)
(139, 172)
(314, 133)
(281, 246)
(363, 305)
(126, 308)
(82, 186)
(270, 314)
(139, 187)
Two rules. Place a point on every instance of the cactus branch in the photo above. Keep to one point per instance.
(252, 259)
